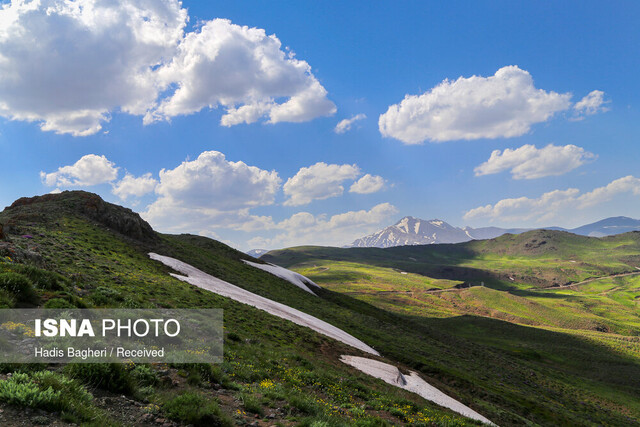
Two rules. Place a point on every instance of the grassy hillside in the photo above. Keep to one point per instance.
(540, 258)
(607, 305)
(512, 374)
(273, 369)
(553, 288)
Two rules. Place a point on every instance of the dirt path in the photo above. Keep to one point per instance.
(593, 279)
(411, 293)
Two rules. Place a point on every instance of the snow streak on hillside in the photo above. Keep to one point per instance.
(205, 281)
(290, 276)
(412, 382)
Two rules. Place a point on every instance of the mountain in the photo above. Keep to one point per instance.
(608, 227)
(257, 253)
(415, 231)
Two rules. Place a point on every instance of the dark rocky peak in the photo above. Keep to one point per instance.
(90, 205)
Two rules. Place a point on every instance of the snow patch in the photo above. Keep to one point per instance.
(213, 284)
(403, 225)
(290, 276)
(412, 382)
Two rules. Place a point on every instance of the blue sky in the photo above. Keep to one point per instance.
(106, 104)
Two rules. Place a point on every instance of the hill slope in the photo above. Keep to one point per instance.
(277, 369)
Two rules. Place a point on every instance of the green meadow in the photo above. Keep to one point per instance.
(518, 353)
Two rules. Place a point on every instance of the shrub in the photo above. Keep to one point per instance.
(144, 375)
(43, 279)
(7, 300)
(305, 405)
(106, 376)
(106, 296)
(251, 404)
(19, 285)
(232, 336)
(193, 408)
(50, 391)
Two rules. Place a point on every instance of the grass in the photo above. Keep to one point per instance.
(195, 409)
(538, 258)
(511, 373)
(99, 267)
(51, 391)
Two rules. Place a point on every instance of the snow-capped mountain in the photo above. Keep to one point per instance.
(415, 231)
(257, 253)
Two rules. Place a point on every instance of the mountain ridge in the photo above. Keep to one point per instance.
(415, 231)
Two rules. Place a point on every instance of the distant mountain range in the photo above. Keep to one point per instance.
(257, 253)
(416, 231)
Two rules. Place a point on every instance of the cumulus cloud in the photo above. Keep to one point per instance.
(628, 184)
(69, 65)
(212, 181)
(303, 228)
(318, 182)
(367, 184)
(212, 189)
(66, 65)
(243, 70)
(555, 204)
(345, 125)
(529, 162)
(504, 105)
(89, 170)
(134, 186)
(591, 104)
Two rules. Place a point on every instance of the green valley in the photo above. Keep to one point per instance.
(544, 359)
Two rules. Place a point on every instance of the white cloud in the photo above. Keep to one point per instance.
(244, 71)
(345, 125)
(212, 190)
(504, 105)
(529, 162)
(591, 104)
(89, 170)
(555, 204)
(627, 184)
(304, 228)
(68, 65)
(318, 182)
(367, 184)
(132, 186)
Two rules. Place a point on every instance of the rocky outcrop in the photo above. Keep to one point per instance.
(2, 236)
(117, 218)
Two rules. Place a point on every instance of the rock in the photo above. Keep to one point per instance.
(2, 235)
(117, 218)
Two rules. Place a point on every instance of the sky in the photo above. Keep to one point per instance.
(274, 124)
